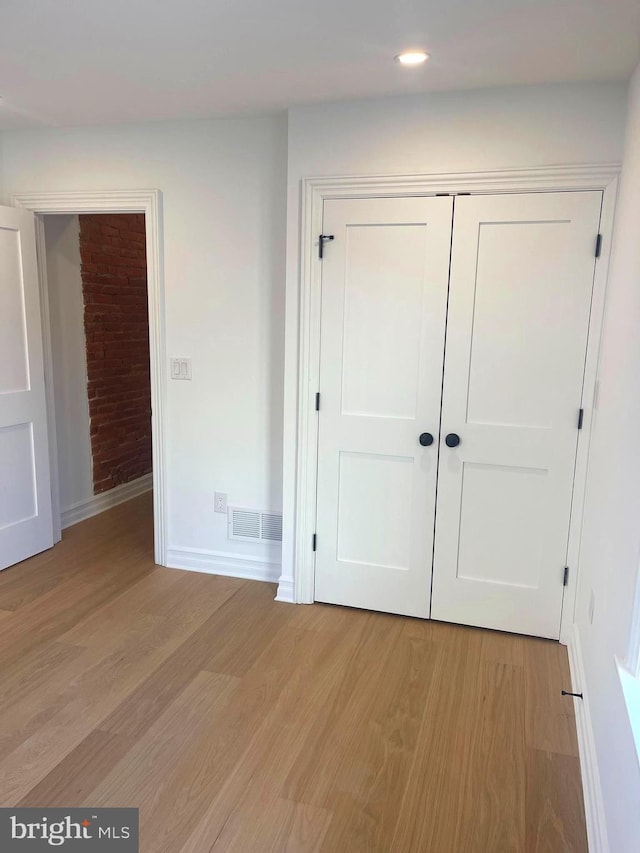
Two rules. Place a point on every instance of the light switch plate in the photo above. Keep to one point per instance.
(181, 368)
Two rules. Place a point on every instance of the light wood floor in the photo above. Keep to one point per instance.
(238, 723)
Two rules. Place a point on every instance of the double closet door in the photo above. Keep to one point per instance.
(453, 341)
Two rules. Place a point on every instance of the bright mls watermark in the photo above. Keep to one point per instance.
(86, 830)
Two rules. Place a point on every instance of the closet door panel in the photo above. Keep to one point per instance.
(522, 273)
(384, 296)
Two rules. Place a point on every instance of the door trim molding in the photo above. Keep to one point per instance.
(301, 508)
(47, 352)
(149, 202)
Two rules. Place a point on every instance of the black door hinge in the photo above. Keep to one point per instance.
(565, 578)
(318, 402)
(598, 245)
(322, 239)
(580, 418)
(314, 541)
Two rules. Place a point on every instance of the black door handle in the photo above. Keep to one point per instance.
(452, 440)
(426, 439)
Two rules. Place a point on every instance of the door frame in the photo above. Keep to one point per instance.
(148, 202)
(314, 191)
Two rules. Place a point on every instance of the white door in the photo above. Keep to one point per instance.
(520, 294)
(384, 298)
(25, 494)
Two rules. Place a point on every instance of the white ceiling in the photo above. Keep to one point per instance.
(75, 62)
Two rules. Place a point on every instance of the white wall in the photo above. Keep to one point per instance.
(66, 307)
(223, 185)
(452, 132)
(611, 531)
(459, 131)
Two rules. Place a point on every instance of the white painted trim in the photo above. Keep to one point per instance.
(632, 659)
(105, 500)
(577, 177)
(148, 202)
(591, 787)
(314, 192)
(589, 403)
(223, 563)
(45, 319)
(285, 591)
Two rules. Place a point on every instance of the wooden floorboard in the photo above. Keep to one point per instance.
(238, 723)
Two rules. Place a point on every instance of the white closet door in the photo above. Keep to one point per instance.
(25, 492)
(384, 295)
(520, 294)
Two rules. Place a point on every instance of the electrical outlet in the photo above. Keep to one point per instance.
(220, 502)
(592, 605)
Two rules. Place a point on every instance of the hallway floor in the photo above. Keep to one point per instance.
(235, 722)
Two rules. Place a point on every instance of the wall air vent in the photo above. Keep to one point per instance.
(271, 524)
(251, 525)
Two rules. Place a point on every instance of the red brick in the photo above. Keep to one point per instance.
(113, 253)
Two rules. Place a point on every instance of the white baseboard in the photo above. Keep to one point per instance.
(223, 563)
(105, 500)
(285, 590)
(591, 787)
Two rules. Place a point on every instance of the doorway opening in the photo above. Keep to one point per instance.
(147, 203)
(96, 272)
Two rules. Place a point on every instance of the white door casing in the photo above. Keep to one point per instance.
(384, 296)
(25, 490)
(149, 202)
(303, 335)
(522, 274)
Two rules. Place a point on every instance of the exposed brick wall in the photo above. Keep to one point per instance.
(114, 283)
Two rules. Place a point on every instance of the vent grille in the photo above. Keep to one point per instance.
(271, 526)
(251, 525)
(245, 524)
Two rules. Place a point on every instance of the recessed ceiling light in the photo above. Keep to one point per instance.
(412, 57)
